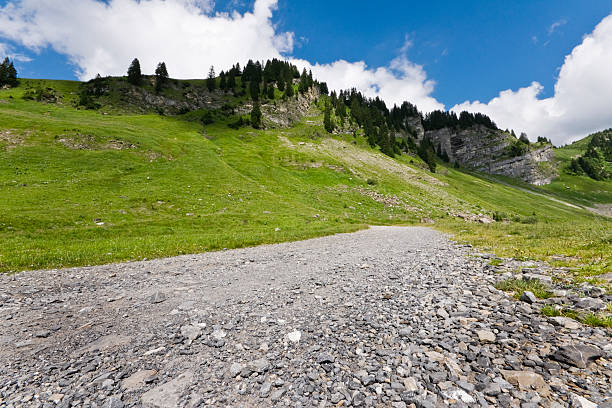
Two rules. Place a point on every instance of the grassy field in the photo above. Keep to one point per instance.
(83, 187)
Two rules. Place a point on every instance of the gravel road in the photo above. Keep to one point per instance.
(388, 316)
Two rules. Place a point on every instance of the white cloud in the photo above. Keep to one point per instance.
(401, 81)
(103, 38)
(556, 24)
(582, 101)
(7, 51)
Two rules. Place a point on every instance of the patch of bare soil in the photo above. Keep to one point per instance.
(81, 141)
(602, 209)
(12, 138)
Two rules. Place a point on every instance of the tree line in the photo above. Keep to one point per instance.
(261, 80)
(258, 80)
(594, 161)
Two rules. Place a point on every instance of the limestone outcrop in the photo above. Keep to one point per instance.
(489, 151)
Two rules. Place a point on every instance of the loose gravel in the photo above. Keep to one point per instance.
(385, 317)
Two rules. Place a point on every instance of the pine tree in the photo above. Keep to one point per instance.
(161, 76)
(323, 88)
(8, 73)
(134, 74)
(4, 72)
(256, 116)
(231, 81)
(254, 90)
(303, 84)
(211, 82)
(524, 138)
(327, 120)
(289, 92)
(12, 75)
(223, 81)
(270, 91)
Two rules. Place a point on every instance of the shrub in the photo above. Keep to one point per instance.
(207, 118)
(240, 122)
(499, 216)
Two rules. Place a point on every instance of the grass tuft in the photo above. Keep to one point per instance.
(518, 286)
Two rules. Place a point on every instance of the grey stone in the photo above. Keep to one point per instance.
(277, 394)
(459, 395)
(528, 297)
(191, 333)
(544, 279)
(578, 401)
(260, 365)
(157, 297)
(324, 358)
(114, 402)
(168, 394)
(264, 391)
(566, 322)
(486, 336)
(235, 369)
(578, 355)
(590, 304)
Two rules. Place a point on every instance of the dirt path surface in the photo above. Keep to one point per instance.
(389, 316)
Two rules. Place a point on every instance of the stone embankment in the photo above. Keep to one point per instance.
(388, 317)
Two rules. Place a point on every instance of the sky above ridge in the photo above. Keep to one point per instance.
(538, 66)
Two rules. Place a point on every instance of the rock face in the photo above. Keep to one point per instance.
(286, 113)
(486, 150)
(281, 113)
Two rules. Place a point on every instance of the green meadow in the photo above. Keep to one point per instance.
(84, 187)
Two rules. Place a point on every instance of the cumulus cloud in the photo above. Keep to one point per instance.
(402, 80)
(103, 38)
(582, 101)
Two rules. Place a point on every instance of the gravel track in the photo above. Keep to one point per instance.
(388, 316)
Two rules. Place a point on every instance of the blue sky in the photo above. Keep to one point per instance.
(472, 49)
(449, 51)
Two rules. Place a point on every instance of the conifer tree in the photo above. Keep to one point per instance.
(134, 74)
(223, 81)
(289, 92)
(8, 73)
(270, 91)
(211, 82)
(161, 76)
(12, 75)
(231, 81)
(256, 116)
(254, 90)
(327, 120)
(323, 88)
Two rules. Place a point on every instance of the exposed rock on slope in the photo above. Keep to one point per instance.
(487, 150)
(284, 113)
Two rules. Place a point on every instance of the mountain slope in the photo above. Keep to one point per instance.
(595, 194)
(90, 187)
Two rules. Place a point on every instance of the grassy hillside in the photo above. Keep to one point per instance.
(85, 187)
(579, 188)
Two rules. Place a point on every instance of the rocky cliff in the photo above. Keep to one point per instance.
(488, 150)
